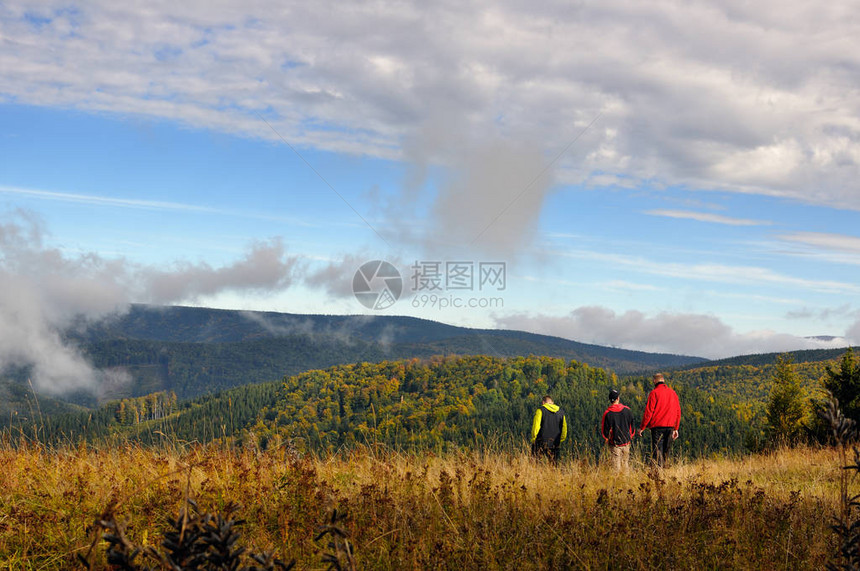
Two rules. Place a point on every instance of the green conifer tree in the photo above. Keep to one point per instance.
(844, 384)
(786, 410)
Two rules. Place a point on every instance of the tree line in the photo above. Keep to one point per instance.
(791, 413)
(441, 403)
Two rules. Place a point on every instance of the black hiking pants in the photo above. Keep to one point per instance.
(661, 442)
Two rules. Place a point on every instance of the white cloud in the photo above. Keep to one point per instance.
(626, 285)
(678, 333)
(853, 333)
(754, 98)
(103, 200)
(266, 267)
(715, 273)
(143, 204)
(708, 217)
(750, 297)
(837, 242)
(759, 98)
(824, 314)
(833, 248)
(336, 276)
(43, 291)
(492, 201)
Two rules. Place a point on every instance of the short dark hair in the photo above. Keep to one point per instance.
(546, 399)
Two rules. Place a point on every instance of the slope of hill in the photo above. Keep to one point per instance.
(204, 325)
(197, 351)
(748, 378)
(193, 369)
(437, 404)
(19, 402)
(761, 359)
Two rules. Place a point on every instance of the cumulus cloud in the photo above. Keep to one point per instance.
(688, 334)
(748, 97)
(488, 201)
(492, 202)
(335, 277)
(756, 97)
(43, 290)
(265, 267)
(471, 187)
(853, 333)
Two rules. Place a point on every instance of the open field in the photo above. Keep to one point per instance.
(468, 511)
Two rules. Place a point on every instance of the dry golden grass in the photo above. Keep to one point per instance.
(467, 511)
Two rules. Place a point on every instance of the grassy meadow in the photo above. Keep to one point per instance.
(466, 511)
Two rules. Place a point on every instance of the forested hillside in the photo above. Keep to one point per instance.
(196, 351)
(751, 383)
(762, 359)
(436, 404)
(19, 400)
(193, 369)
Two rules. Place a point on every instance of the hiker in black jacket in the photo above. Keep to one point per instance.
(549, 430)
(616, 426)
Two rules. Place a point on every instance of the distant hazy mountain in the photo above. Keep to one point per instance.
(827, 338)
(203, 325)
(195, 351)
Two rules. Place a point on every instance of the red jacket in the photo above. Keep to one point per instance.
(662, 409)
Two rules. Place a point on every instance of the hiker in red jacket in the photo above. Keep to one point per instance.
(663, 417)
(616, 426)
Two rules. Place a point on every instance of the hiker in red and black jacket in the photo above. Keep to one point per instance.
(616, 426)
(663, 417)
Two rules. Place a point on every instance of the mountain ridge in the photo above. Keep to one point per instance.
(195, 351)
(210, 325)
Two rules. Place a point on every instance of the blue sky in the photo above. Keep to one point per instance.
(668, 178)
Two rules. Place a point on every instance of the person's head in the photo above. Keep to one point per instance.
(658, 378)
(614, 396)
(546, 400)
